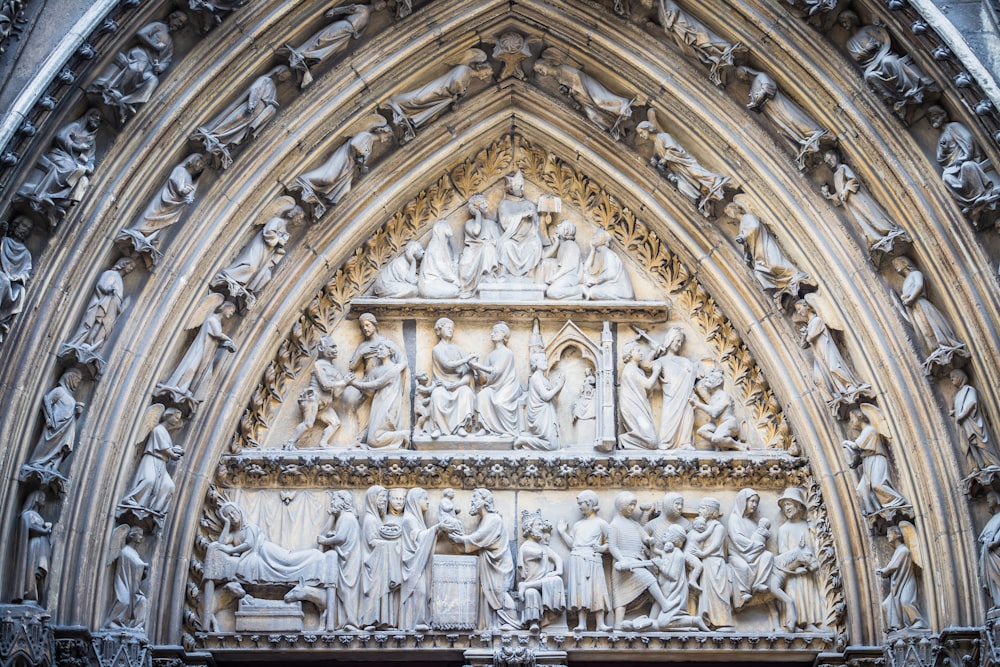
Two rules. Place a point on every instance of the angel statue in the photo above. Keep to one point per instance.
(247, 275)
(900, 606)
(198, 363)
(604, 109)
(696, 39)
(413, 109)
(330, 182)
(868, 450)
(153, 490)
(817, 320)
(332, 39)
(128, 610)
(694, 181)
(244, 118)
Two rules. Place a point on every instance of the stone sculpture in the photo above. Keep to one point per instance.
(61, 177)
(98, 321)
(363, 359)
(562, 263)
(634, 409)
(499, 401)
(489, 541)
(213, 11)
(795, 565)
(453, 401)
(604, 275)
(540, 570)
(398, 278)
(671, 509)
(603, 108)
(631, 575)
(893, 77)
(382, 573)
(707, 542)
(695, 39)
(899, 607)
(586, 585)
(868, 450)
(963, 166)
(344, 539)
(60, 411)
(692, 180)
(541, 423)
(384, 383)
(438, 275)
(511, 48)
(723, 429)
(130, 604)
(316, 402)
(327, 184)
(244, 118)
(830, 371)
(677, 376)
(152, 489)
(414, 109)
(418, 548)
(788, 117)
(940, 342)
(132, 78)
(163, 211)
(520, 246)
(33, 548)
(989, 551)
(881, 233)
(15, 270)
(183, 386)
(332, 39)
(774, 271)
(584, 408)
(965, 409)
(251, 271)
(750, 561)
(671, 563)
(479, 259)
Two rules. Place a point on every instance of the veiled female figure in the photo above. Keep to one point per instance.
(453, 403)
(773, 270)
(106, 305)
(634, 409)
(418, 550)
(384, 383)
(438, 275)
(604, 109)
(604, 275)
(830, 370)
(498, 402)
(989, 551)
(940, 341)
(33, 550)
(398, 278)
(541, 423)
(382, 573)
(677, 377)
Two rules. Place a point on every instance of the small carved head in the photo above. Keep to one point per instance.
(601, 239)
(478, 204)
(124, 266)
(194, 164)
(515, 183)
(674, 339)
(397, 500)
(902, 265)
(172, 418)
(566, 230)
(587, 501)
(631, 352)
(176, 21)
(135, 535)
(368, 324)
(676, 536)
(230, 513)
(327, 347)
(71, 379)
(482, 499)
(538, 361)
(958, 378)
(673, 505)
(532, 524)
(709, 508)
(625, 503)
(936, 116)
(831, 159)
(444, 328)
(645, 130)
(848, 20)
(500, 333)
(227, 309)
(92, 119)
(414, 251)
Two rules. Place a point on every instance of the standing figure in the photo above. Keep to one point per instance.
(963, 166)
(637, 429)
(723, 431)
(584, 408)
(244, 118)
(788, 117)
(940, 341)
(671, 515)
(316, 402)
(363, 359)
(696, 39)
(128, 611)
(414, 109)
(631, 575)
(562, 264)
(989, 551)
(900, 605)
(15, 269)
(398, 278)
(383, 568)
(479, 257)
(61, 177)
(163, 211)
(604, 109)
(153, 489)
(330, 182)
(60, 410)
(709, 545)
(499, 401)
(33, 550)
(98, 321)
(520, 246)
(692, 180)
(541, 422)
(880, 232)
(796, 564)
(604, 275)
(332, 39)
(586, 585)
(677, 375)
(384, 383)
(540, 570)
(453, 402)
(750, 561)
(773, 270)
(965, 409)
(344, 538)
(869, 451)
(418, 548)
(198, 363)
(491, 544)
(438, 275)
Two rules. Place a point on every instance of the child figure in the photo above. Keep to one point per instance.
(447, 512)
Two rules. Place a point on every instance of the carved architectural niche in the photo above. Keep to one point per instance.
(26, 636)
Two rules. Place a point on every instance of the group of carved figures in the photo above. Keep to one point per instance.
(501, 254)
(653, 569)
